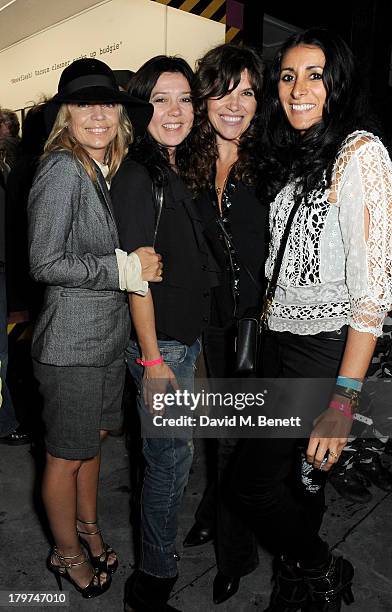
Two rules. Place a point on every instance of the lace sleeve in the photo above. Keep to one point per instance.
(366, 192)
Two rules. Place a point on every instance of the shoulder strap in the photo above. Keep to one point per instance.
(157, 195)
(231, 245)
(282, 247)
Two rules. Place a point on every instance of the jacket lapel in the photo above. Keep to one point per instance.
(104, 196)
(181, 193)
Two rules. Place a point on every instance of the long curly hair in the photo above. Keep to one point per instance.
(218, 73)
(286, 153)
(145, 149)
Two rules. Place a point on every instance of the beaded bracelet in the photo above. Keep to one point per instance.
(149, 363)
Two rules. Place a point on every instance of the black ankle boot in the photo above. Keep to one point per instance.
(224, 587)
(289, 592)
(198, 535)
(329, 584)
(146, 593)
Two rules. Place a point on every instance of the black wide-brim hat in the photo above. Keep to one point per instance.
(90, 81)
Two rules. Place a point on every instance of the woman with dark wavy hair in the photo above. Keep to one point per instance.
(326, 165)
(222, 174)
(168, 323)
(311, 152)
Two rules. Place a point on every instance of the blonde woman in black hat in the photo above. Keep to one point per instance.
(84, 326)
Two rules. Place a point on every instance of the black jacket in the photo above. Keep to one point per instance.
(182, 299)
(248, 224)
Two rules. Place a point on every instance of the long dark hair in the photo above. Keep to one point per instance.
(218, 73)
(288, 154)
(145, 149)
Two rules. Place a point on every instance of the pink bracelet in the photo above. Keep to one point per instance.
(343, 407)
(149, 363)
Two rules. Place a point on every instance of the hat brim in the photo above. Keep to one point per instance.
(139, 112)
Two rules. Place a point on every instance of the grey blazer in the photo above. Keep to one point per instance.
(85, 318)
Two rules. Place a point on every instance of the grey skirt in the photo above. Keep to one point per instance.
(79, 401)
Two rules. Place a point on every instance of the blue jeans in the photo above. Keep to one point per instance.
(8, 420)
(168, 462)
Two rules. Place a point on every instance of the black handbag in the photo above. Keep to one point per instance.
(250, 328)
(247, 339)
(247, 346)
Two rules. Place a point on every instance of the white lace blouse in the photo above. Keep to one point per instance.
(332, 274)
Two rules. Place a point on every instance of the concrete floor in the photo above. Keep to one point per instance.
(362, 532)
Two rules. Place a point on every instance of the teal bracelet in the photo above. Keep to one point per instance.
(349, 383)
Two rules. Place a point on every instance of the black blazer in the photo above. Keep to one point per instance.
(182, 299)
(248, 224)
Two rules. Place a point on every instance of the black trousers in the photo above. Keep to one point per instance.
(265, 480)
(235, 543)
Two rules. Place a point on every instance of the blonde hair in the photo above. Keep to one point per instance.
(61, 139)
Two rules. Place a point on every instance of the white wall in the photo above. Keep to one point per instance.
(122, 33)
